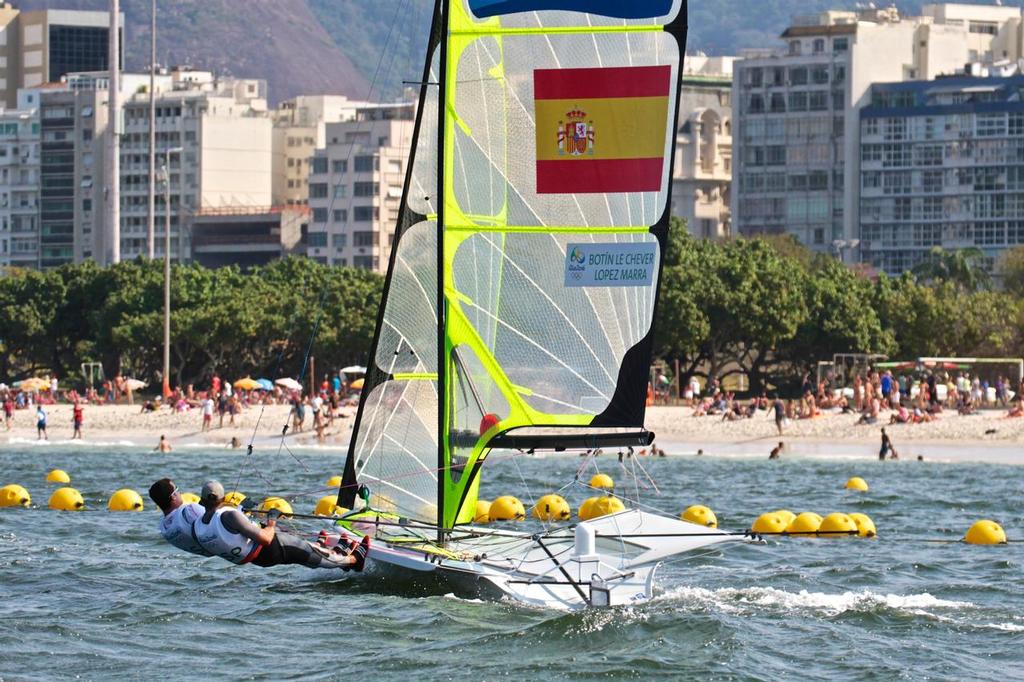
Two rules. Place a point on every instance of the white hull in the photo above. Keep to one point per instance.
(610, 561)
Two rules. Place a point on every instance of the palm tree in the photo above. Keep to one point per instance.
(963, 267)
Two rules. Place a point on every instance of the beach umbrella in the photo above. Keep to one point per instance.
(289, 383)
(134, 384)
(357, 384)
(33, 384)
(266, 384)
(247, 384)
(354, 369)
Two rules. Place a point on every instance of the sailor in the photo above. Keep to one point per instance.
(225, 532)
(176, 524)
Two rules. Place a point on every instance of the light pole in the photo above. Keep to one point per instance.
(166, 174)
(151, 224)
(840, 245)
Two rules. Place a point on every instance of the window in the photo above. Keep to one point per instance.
(991, 125)
(819, 45)
(871, 126)
(794, 47)
(318, 190)
(838, 100)
(798, 101)
(320, 215)
(319, 165)
(840, 45)
(339, 166)
(86, 134)
(838, 74)
(317, 239)
(338, 241)
(86, 205)
(798, 76)
(983, 27)
(340, 191)
(364, 214)
(756, 77)
(778, 103)
(365, 189)
(819, 75)
(818, 101)
(756, 104)
(776, 155)
(366, 164)
(365, 238)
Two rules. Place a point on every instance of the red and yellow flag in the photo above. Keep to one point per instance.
(601, 129)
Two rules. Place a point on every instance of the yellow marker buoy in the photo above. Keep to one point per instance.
(596, 507)
(806, 523)
(234, 499)
(125, 499)
(483, 512)
(189, 498)
(57, 476)
(333, 482)
(771, 522)
(985, 532)
(865, 526)
(700, 515)
(507, 508)
(857, 483)
(602, 481)
(787, 516)
(66, 499)
(278, 503)
(552, 508)
(328, 506)
(837, 525)
(14, 496)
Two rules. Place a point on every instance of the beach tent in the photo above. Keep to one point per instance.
(247, 384)
(289, 383)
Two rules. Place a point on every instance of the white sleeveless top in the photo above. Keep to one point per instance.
(219, 541)
(176, 528)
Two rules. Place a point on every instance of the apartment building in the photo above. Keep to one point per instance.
(355, 187)
(796, 109)
(941, 164)
(299, 130)
(43, 46)
(702, 175)
(19, 187)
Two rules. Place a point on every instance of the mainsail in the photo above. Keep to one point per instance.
(537, 203)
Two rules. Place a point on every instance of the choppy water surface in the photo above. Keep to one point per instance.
(100, 595)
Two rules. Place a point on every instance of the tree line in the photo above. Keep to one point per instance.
(259, 322)
(771, 309)
(767, 308)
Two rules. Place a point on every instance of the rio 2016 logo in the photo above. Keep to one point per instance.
(576, 256)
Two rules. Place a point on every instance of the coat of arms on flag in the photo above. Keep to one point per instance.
(629, 105)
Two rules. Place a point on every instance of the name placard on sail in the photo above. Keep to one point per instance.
(601, 129)
(610, 265)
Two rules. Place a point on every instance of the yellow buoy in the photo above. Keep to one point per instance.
(506, 508)
(771, 522)
(700, 515)
(552, 508)
(57, 476)
(865, 526)
(857, 483)
(125, 499)
(837, 525)
(277, 503)
(596, 507)
(806, 523)
(66, 499)
(333, 481)
(14, 496)
(483, 512)
(787, 516)
(985, 532)
(328, 506)
(602, 481)
(234, 499)
(189, 498)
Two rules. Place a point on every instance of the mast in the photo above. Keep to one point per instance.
(442, 354)
(151, 221)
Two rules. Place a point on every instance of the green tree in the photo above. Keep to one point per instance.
(1011, 270)
(962, 267)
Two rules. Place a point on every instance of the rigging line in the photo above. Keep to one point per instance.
(649, 478)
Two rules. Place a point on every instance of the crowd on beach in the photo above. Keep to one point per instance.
(218, 398)
(909, 398)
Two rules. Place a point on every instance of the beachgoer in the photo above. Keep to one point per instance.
(77, 418)
(780, 413)
(887, 448)
(8, 411)
(163, 446)
(222, 407)
(776, 451)
(225, 532)
(207, 413)
(235, 442)
(41, 423)
(176, 524)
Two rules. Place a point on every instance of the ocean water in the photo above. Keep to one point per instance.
(99, 595)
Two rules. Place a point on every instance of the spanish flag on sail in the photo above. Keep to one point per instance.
(601, 129)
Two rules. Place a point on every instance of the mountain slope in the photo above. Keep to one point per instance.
(279, 40)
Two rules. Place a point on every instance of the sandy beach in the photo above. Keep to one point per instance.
(985, 437)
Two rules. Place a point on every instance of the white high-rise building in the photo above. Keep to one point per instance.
(19, 185)
(796, 135)
(355, 187)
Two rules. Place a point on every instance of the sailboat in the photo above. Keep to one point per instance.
(520, 294)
